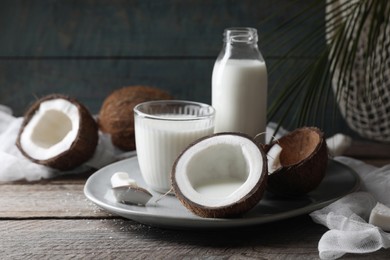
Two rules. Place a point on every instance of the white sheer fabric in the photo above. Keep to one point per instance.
(348, 217)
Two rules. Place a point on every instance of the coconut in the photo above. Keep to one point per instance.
(126, 190)
(300, 165)
(220, 175)
(116, 115)
(59, 132)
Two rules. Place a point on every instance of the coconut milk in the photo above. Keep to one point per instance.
(239, 96)
(159, 143)
(220, 189)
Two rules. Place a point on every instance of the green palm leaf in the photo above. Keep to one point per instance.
(310, 90)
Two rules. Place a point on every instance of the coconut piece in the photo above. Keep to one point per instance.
(133, 195)
(380, 217)
(59, 132)
(338, 144)
(273, 158)
(127, 191)
(121, 179)
(303, 160)
(220, 176)
(116, 115)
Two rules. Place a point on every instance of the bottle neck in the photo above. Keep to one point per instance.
(240, 43)
(240, 36)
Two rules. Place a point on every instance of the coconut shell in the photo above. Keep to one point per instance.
(83, 147)
(235, 209)
(304, 161)
(116, 116)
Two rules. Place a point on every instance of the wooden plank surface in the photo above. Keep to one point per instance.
(124, 239)
(141, 28)
(91, 80)
(63, 197)
(86, 49)
(52, 219)
(19, 201)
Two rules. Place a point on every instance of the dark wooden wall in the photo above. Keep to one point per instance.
(88, 48)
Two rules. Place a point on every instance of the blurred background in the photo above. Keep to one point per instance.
(86, 49)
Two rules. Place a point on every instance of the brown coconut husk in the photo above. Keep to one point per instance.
(304, 161)
(116, 116)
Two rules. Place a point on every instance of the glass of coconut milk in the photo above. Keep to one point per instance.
(163, 129)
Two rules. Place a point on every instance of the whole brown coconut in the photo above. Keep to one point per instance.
(116, 115)
(303, 160)
(59, 132)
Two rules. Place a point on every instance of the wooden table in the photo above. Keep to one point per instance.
(52, 219)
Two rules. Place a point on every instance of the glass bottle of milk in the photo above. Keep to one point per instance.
(239, 84)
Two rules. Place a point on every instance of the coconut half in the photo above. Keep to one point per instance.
(221, 175)
(302, 161)
(58, 132)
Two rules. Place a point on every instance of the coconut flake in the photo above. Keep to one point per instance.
(380, 217)
(120, 179)
(273, 158)
(338, 144)
(127, 191)
(132, 195)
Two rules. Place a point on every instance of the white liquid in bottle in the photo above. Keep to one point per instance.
(239, 96)
(239, 85)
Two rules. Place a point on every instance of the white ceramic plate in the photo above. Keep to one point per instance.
(168, 212)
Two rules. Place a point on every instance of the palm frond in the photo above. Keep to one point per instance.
(309, 91)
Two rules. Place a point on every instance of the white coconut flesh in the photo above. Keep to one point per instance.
(126, 190)
(52, 129)
(219, 171)
(273, 158)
